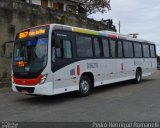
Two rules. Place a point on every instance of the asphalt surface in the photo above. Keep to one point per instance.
(123, 101)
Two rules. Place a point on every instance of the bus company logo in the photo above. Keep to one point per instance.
(92, 65)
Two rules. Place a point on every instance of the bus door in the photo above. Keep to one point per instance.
(62, 58)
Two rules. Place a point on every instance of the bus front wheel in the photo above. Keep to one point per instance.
(138, 76)
(84, 86)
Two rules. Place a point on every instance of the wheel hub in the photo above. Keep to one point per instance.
(85, 86)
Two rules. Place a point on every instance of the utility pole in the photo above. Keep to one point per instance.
(119, 24)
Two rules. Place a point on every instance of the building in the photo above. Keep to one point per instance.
(74, 6)
(17, 15)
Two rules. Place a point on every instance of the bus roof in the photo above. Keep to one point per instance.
(109, 34)
(105, 33)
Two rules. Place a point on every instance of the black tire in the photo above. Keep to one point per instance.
(84, 86)
(138, 76)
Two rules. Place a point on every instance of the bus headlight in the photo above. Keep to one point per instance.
(43, 79)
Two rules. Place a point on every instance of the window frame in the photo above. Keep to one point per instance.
(154, 50)
(141, 49)
(124, 49)
(118, 40)
(100, 39)
(84, 35)
(115, 41)
(109, 53)
(69, 37)
(148, 49)
(100, 46)
(63, 39)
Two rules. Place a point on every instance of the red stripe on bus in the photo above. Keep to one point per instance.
(28, 82)
(112, 36)
(78, 70)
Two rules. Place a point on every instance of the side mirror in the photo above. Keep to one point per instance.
(7, 48)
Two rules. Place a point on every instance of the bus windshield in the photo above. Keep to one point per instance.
(30, 54)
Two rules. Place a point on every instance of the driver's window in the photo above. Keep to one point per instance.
(65, 51)
(58, 53)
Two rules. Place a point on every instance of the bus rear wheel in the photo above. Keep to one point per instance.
(138, 76)
(84, 86)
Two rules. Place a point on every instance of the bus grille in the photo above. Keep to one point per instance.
(28, 89)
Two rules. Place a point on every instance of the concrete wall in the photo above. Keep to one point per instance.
(15, 16)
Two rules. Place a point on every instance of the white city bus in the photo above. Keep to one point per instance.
(54, 59)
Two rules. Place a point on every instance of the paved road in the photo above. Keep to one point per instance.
(117, 102)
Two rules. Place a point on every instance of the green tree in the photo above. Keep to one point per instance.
(93, 6)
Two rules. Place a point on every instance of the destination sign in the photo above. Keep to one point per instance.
(32, 32)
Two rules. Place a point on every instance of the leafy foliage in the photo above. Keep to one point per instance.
(93, 6)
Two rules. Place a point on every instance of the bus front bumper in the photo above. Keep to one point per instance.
(44, 89)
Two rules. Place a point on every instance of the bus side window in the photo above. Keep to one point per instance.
(152, 51)
(119, 49)
(146, 53)
(128, 49)
(65, 51)
(84, 46)
(113, 48)
(137, 50)
(105, 44)
(97, 50)
(58, 53)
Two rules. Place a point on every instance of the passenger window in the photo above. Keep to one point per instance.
(128, 49)
(105, 44)
(138, 50)
(65, 51)
(146, 50)
(84, 46)
(120, 49)
(113, 48)
(152, 50)
(97, 50)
